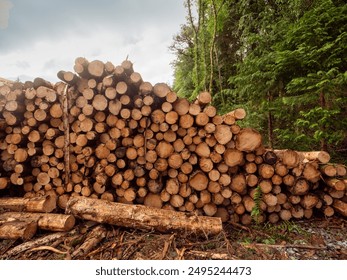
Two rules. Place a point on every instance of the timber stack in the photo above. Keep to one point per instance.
(105, 133)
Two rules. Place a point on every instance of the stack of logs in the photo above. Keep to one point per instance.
(105, 133)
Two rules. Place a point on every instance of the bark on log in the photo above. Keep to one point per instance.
(320, 156)
(46, 221)
(92, 240)
(142, 217)
(24, 230)
(340, 207)
(36, 204)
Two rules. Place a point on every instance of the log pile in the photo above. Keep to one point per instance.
(105, 133)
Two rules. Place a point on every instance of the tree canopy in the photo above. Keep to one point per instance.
(285, 62)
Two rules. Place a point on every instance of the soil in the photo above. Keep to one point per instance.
(315, 239)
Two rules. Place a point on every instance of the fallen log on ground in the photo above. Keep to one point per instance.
(18, 229)
(142, 217)
(44, 204)
(92, 240)
(46, 221)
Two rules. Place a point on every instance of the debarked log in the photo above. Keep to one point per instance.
(142, 217)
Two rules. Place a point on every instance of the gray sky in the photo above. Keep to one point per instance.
(40, 37)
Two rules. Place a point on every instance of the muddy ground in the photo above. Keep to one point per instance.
(315, 239)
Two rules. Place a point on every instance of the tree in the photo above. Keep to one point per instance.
(283, 61)
(313, 58)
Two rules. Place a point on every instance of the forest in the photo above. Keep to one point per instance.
(284, 62)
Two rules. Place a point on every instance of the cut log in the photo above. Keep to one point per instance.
(340, 207)
(24, 230)
(300, 187)
(238, 184)
(46, 221)
(223, 134)
(96, 69)
(248, 140)
(161, 90)
(199, 181)
(266, 171)
(309, 201)
(181, 106)
(3, 182)
(142, 217)
(341, 170)
(320, 156)
(238, 113)
(311, 173)
(337, 184)
(203, 98)
(328, 170)
(36, 204)
(270, 157)
(233, 157)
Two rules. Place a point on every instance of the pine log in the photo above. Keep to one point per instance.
(289, 158)
(96, 69)
(328, 211)
(300, 187)
(203, 98)
(161, 90)
(309, 201)
(198, 181)
(36, 204)
(181, 106)
(142, 217)
(3, 182)
(341, 170)
(233, 157)
(337, 184)
(24, 230)
(223, 134)
(311, 173)
(328, 169)
(46, 221)
(238, 113)
(248, 140)
(320, 156)
(266, 170)
(270, 157)
(340, 207)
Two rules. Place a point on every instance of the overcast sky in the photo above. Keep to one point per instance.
(40, 37)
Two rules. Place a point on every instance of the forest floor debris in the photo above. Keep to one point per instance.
(315, 239)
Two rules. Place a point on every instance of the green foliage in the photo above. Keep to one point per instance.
(285, 62)
(256, 211)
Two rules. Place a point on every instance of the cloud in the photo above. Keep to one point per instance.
(5, 7)
(22, 64)
(49, 35)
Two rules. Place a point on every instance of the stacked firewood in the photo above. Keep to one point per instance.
(105, 133)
